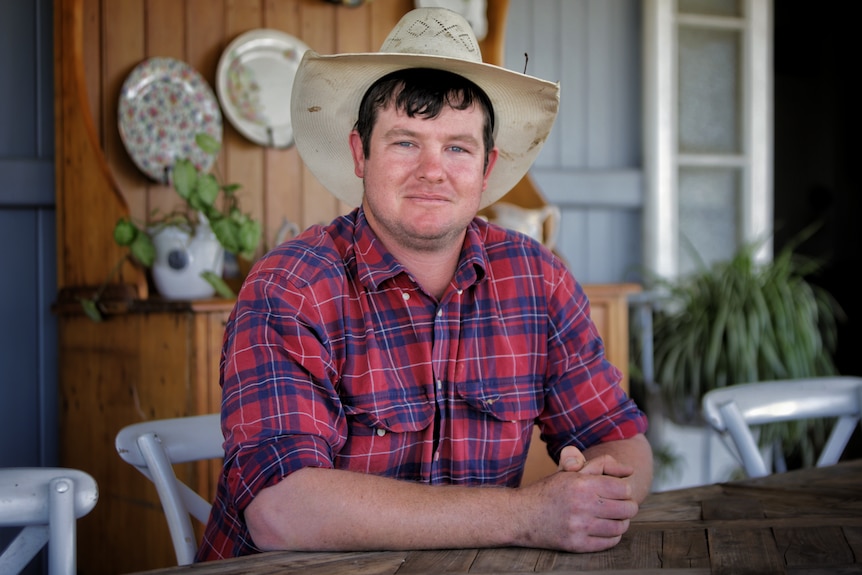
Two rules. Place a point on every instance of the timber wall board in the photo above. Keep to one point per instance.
(111, 39)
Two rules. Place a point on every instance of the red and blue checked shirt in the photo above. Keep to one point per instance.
(335, 357)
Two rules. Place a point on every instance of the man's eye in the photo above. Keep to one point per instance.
(404, 144)
(457, 149)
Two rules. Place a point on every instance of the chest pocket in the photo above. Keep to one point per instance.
(369, 414)
(387, 436)
(511, 400)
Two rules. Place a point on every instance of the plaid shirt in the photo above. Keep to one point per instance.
(335, 357)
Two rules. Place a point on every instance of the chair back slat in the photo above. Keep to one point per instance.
(46, 502)
(153, 448)
(734, 410)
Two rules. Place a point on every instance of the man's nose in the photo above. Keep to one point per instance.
(430, 165)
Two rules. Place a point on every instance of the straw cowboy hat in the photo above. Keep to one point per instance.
(327, 91)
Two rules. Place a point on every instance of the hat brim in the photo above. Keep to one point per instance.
(327, 91)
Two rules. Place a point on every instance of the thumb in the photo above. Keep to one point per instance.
(571, 459)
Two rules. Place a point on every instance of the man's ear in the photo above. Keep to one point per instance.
(492, 159)
(357, 153)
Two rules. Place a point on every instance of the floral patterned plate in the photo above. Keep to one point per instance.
(254, 81)
(164, 104)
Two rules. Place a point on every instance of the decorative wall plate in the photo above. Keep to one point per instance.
(164, 104)
(254, 81)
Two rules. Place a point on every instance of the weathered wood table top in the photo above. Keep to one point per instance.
(802, 522)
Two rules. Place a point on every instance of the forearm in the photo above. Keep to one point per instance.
(335, 510)
(326, 509)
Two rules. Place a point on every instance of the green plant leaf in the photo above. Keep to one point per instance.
(207, 143)
(203, 195)
(91, 309)
(207, 190)
(219, 284)
(249, 238)
(227, 233)
(740, 321)
(125, 232)
(143, 250)
(185, 178)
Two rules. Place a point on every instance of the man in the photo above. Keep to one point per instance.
(378, 370)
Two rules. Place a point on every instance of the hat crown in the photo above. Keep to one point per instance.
(433, 32)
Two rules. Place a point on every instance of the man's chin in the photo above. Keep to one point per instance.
(434, 239)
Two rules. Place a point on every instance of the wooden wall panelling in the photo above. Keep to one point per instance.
(87, 194)
(164, 24)
(282, 195)
(384, 16)
(244, 159)
(318, 31)
(91, 58)
(274, 182)
(124, 48)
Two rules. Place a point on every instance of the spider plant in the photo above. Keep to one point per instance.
(742, 321)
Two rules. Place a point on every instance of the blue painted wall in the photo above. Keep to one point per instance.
(28, 333)
(28, 349)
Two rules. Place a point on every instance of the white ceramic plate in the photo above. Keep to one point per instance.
(164, 104)
(254, 81)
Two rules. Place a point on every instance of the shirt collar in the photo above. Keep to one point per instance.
(375, 264)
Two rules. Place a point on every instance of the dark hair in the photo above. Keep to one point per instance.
(422, 92)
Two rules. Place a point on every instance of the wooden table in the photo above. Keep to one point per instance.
(802, 522)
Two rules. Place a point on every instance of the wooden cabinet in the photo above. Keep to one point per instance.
(609, 309)
(148, 363)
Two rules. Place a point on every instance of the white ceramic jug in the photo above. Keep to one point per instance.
(539, 223)
(181, 258)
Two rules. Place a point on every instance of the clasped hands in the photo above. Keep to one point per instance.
(586, 505)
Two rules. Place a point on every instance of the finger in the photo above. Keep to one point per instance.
(608, 527)
(606, 465)
(571, 459)
(612, 509)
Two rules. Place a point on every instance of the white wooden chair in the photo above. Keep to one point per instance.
(46, 502)
(153, 447)
(733, 410)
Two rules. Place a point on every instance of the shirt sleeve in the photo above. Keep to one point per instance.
(584, 402)
(280, 408)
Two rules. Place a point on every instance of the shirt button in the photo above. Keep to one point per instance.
(439, 313)
(405, 295)
(460, 291)
(381, 432)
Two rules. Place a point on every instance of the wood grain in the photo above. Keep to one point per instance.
(662, 541)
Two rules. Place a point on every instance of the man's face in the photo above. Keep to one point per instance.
(423, 178)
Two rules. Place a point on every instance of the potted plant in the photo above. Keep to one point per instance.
(742, 321)
(184, 249)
